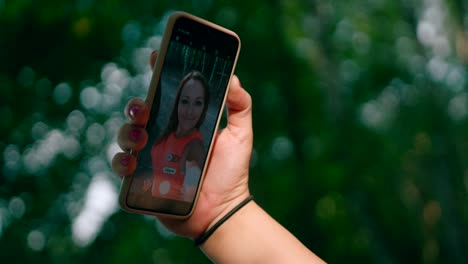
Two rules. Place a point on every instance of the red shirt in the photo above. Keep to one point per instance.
(167, 165)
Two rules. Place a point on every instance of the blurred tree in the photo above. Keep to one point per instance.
(360, 119)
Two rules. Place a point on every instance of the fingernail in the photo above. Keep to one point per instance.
(133, 111)
(125, 160)
(135, 134)
(154, 52)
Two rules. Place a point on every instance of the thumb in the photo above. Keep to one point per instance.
(239, 106)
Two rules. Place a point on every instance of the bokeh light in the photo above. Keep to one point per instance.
(17, 207)
(62, 93)
(76, 120)
(458, 107)
(26, 76)
(131, 33)
(100, 202)
(282, 148)
(95, 134)
(36, 240)
(12, 161)
(90, 98)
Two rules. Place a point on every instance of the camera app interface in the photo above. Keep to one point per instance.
(187, 103)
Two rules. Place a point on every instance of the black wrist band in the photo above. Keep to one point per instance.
(201, 239)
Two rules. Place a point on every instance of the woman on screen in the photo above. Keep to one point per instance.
(177, 156)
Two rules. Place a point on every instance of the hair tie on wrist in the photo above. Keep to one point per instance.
(201, 239)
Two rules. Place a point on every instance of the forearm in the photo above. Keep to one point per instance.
(252, 236)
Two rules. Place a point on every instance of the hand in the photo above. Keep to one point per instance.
(147, 184)
(226, 180)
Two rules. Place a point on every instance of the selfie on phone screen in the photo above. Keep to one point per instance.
(186, 106)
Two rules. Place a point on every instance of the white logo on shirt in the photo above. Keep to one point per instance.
(169, 170)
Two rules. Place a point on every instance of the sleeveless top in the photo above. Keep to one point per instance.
(167, 165)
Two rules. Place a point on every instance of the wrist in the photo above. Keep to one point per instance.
(227, 207)
(233, 234)
(252, 236)
(217, 223)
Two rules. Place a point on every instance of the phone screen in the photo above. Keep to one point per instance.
(186, 107)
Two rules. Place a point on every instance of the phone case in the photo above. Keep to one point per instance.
(126, 183)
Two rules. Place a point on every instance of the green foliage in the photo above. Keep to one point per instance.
(360, 120)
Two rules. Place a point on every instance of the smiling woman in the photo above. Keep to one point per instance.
(179, 150)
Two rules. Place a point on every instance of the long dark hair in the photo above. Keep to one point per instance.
(174, 118)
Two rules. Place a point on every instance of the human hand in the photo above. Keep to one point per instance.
(226, 181)
(147, 184)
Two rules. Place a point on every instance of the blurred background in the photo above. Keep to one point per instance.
(360, 122)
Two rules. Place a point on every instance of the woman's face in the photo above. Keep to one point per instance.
(190, 107)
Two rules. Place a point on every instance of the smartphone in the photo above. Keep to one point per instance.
(186, 96)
